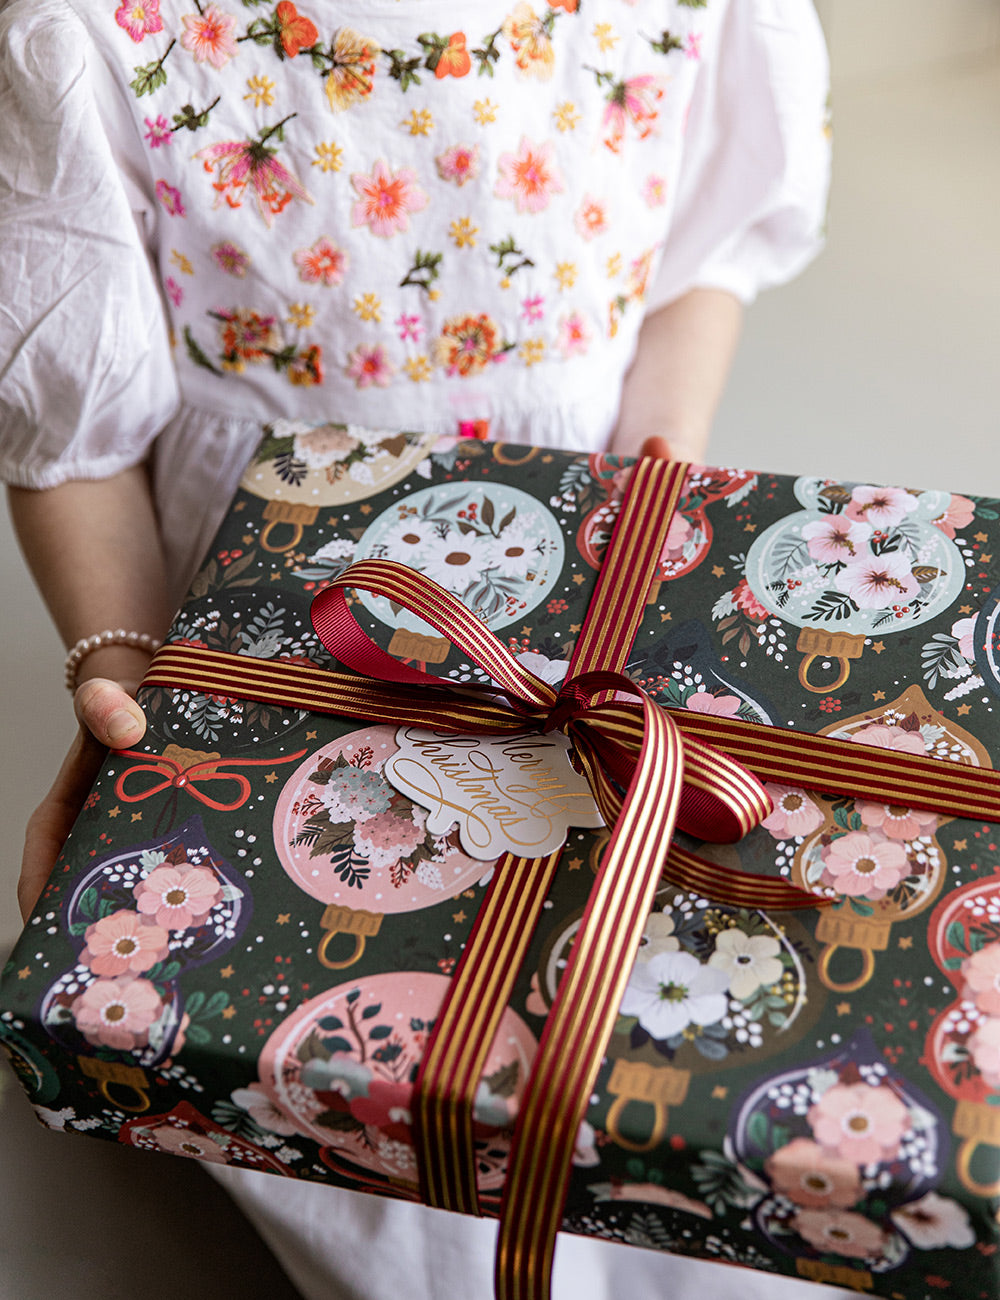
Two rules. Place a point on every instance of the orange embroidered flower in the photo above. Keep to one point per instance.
(468, 344)
(531, 40)
(239, 163)
(529, 177)
(307, 370)
(386, 199)
(247, 336)
(454, 60)
(295, 30)
(210, 36)
(352, 73)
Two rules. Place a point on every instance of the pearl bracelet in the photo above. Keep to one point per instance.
(86, 645)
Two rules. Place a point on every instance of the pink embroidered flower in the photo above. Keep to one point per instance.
(981, 973)
(896, 822)
(386, 199)
(533, 308)
(323, 263)
(575, 335)
(158, 132)
(964, 633)
(231, 259)
(882, 507)
(410, 327)
(636, 101)
(178, 896)
(862, 867)
(859, 1122)
(239, 163)
(836, 539)
(170, 197)
(794, 812)
(841, 1232)
(210, 36)
(934, 1222)
(460, 163)
(122, 944)
(885, 737)
(262, 1110)
(185, 1142)
(722, 705)
(369, 365)
(878, 581)
(174, 291)
(591, 217)
(117, 1012)
(808, 1175)
(654, 191)
(958, 513)
(139, 18)
(692, 46)
(529, 177)
(984, 1047)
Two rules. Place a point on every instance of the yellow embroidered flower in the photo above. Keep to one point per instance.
(565, 274)
(261, 90)
(301, 314)
(484, 111)
(329, 157)
(420, 122)
(368, 306)
(530, 39)
(352, 75)
(566, 115)
(532, 351)
(614, 265)
(604, 35)
(418, 369)
(182, 263)
(463, 232)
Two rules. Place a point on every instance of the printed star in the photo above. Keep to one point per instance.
(878, 695)
(283, 918)
(982, 537)
(719, 1092)
(366, 510)
(878, 647)
(526, 631)
(574, 627)
(24, 972)
(115, 811)
(240, 505)
(961, 845)
(749, 528)
(275, 577)
(665, 616)
(468, 893)
(310, 735)
(986, 558)
(271, 778)
(226, 972)
(333, 521)
(843, 1008)
(965, 609)
(229, 1012)
(906, 941)
(963, 709)
(575, 864)
(717, 570)
(246, 539)
(137, 817)
(458, 917)
(547, 460)
(578, 578)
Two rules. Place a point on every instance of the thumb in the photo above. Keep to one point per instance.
(656, 447)
(109, 713)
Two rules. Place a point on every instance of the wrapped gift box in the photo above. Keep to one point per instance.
(247, 938)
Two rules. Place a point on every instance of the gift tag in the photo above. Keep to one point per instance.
(507, 794)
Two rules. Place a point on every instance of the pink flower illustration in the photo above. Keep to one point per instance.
(178, 896)
(984, 1047)
(808, 1175)
(174, 291)
(117, 1012)
(239, 163)
(459, 164)
(591, 217)
(139, 18)
(574, 336)
(210, 36)
(386, 199)
(836, 539)
(369, 365)
(878, 581)
(123, 943)
(963, 630)
(410, 327)
(529, 177)
(862, 867)
(841, 1232)
(958, 513)
(185, 1142)
(389, 832)
(636, 101)
(882, 507)
(794, 812)
(981, 973)
(859, 1122)
(885, 737)
(322, 263)
(679, 534)
(170, 197)
(158, 132)
(744, 599)
(262, 1110)
(654, 191)
(231, 259)
(935, 1221)
(896, 822)
(722, 706)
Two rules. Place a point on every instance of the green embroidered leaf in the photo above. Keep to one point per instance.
(666, 42)
(196, 354)
(148, 78)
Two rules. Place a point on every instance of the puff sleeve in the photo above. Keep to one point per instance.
(86, 376)
(751, 194)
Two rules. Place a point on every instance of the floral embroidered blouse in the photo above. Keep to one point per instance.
(396, 213)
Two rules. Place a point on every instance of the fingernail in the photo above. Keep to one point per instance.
(122, 727)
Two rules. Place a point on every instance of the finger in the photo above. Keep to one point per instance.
(53, 819)
(109, 713)
(656, 447)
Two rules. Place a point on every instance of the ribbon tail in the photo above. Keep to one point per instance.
(738, 888)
